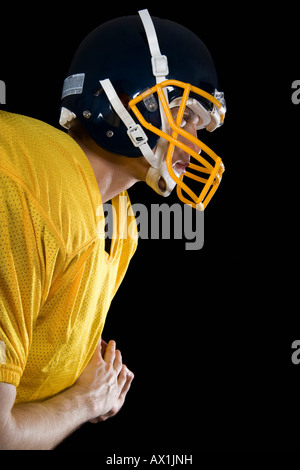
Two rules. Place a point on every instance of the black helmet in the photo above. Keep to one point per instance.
(112, 90)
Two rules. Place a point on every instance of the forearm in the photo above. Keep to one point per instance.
(42, 426)
(98, 393)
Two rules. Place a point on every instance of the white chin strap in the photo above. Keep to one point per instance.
(158, 176)
(160, 180)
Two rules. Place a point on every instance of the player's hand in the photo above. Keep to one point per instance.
(104, 383)
(124, 380)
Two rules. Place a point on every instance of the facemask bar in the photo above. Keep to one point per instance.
(211, 174)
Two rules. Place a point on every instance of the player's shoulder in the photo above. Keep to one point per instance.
(20, 126)
(28, 134)
(54, 172)
(33, 151)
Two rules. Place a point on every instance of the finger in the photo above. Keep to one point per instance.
(127, 384)
(103, 347)
(118, 362)
(100, 419)
(97, 357)
(110, 352)
(124, 380)
(93, 421)
(122, 377)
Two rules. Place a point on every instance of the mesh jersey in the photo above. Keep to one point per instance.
(56, 279)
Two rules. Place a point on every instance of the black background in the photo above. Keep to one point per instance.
(207, 333)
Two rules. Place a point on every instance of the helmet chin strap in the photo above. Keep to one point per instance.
(160, 181)
(158, 177)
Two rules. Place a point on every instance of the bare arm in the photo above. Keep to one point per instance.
(38, 425)
(99, 391)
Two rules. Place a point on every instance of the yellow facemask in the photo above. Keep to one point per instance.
(207, 173)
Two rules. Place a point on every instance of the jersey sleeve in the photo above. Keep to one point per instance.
(27, 255)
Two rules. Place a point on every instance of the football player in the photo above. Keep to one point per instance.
(139, 90)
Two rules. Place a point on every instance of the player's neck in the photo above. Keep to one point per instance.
(114, 173)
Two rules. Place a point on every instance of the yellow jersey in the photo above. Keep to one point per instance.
(56, 279)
